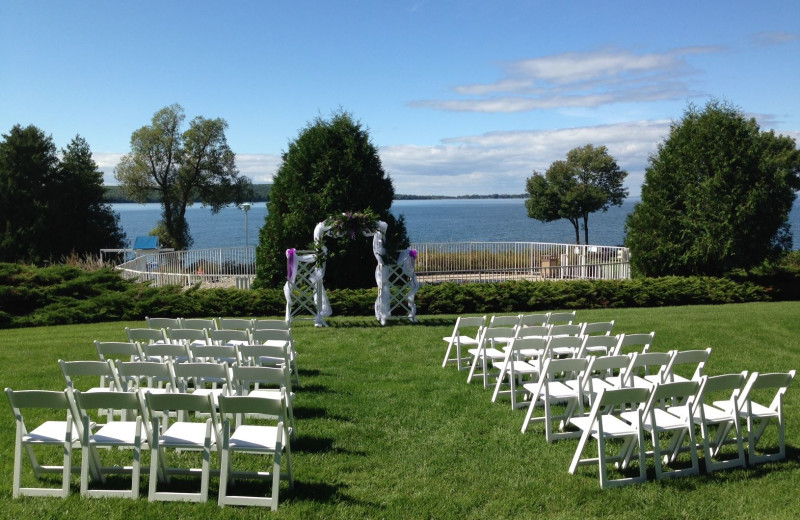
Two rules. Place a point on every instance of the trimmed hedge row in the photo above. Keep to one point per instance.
(58, 295)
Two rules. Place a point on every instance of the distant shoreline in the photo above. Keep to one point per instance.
(115, 195)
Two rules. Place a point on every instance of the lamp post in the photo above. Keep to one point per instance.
(246, 208)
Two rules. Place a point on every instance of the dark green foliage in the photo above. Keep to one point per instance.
(589, 180)
(31, 296)
(50, 207)
(716, 197)
(332, 167)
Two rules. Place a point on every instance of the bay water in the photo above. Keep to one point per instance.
(448, 220)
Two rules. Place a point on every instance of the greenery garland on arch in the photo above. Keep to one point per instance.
(350, 224)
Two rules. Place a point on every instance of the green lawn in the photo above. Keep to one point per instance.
(385, 432)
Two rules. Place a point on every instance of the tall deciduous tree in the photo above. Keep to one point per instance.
(331, 167)
(181, 167)
(589, 180)
(716, 196)
(50, 208)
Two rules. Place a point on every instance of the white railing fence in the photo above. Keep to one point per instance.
(500, 261)
(222, 267)
(436, 262)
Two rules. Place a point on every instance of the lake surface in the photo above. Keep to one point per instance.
(451, 220)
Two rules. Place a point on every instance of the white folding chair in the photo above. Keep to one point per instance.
(127, 434)
(146, 335)
(161, 352)
(462, 337)
(281, 338)
(720, 419)
(188, 336)
(148, 376)
(647, 369)
(162, 323)
(86, 372)
(695, 358)
(629, 343)
(515, 369)
(561, 318)
(271, 324)
(604, 373)
(119, 350)
(235, 323)
(181, 434)
(258, 439)
(487, 350)
(605, 426)
(203, 378)
(565, 329)
(559, 383)
(229, 337)
(55, 430)
(758, 416)
(269, 382)
(661, 418)
(207, 324)
(597, 346)
(565, 346)
(598, 328)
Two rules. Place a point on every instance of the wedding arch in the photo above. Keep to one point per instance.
(396, 279)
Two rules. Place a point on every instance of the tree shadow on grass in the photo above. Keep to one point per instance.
(325, 494)
(309, 412)
(313, 444)
(398, 321)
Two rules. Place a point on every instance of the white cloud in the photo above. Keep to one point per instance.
(500, 162)
(587, 79)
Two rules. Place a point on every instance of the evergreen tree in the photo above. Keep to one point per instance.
(716, 196)
(332, 167)
(51, 208)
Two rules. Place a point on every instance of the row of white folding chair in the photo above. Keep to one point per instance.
(218, 323)
(467, 330)
(215, 431)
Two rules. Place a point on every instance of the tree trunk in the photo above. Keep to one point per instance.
(576, 224)
(586, 228)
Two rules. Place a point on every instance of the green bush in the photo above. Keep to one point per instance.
(57, 295)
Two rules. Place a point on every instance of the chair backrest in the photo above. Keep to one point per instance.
(527, 331)
(161, 404)
(634, 343)
(188, 336)
(162, 323)
(648, 363)
(202, 374)
(272, 335)
(593, 344)
(602, 328)
(504, 321)
(774, 381)
(104, 370)
(218, 353)
(247, 378)
(567, 368)
(253, 354)
(725, 387)
(227, 336)
(108, 400)
(565, 330)
(687, 357)
(491, 333)
(119, 350)
(146, 335)
(561, 318)
(136, 375)
(534, 319)
(48, 399)
(177, 352)
(619, 398)
(230, 405)
(235, 323)
(198, 323)
(681, 393)
(565, 345)
(271, 324)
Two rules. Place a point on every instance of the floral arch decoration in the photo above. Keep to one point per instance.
(304, 289)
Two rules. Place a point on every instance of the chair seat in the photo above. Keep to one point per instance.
(558, 390)
(612, 426)
(464, 340)
(115, 433)
(185, 435)
(520, 367)
(664, 419)
(254, 438)
(759, 411)
(49, 432)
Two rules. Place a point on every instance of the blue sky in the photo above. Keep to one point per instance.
(464, 97)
